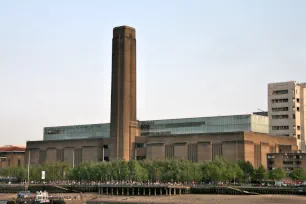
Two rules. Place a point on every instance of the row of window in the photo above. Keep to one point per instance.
(291, 162)
(280, 109)
(280, 116)
(280, 127)
(284, 109)
(282, 100)
(280, 92)
(9, 162)
(285, 127)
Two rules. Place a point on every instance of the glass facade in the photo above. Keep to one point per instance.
(218, 124)
(77, 132)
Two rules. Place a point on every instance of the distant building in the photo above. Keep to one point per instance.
(236, 137)
(286, 107)
(262, 113)
(234, 146)
(286, 161)
(182, 126)
(12, 156)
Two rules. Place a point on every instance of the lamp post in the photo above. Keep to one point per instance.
(73, 158)
(29, 158)
(103, 153)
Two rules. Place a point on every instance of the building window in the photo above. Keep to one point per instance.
(293, 116)
(280, 116)
(280, 127)
(282, 100)
(280, 109)
(287, 162)
(106, 159)
(140, 158)
(297, 100)
(298, 127)
(280, 92)
(299, 137)
(298, 109)
(139, 145)
(105, 146)
(18, 162)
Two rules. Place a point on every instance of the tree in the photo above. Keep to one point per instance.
(247, 169)
(298, 174)
(211, 172)
(260, 174)
(136, 171)
(276, 174)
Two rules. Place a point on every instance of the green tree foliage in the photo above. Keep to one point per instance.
(142, 171)
(13, 172)
(259, 174)
(136, 171)
(247, 169)
(276, 174)
(221, 170)
(298, 174)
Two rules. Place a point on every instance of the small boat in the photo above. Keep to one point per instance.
(42, 197)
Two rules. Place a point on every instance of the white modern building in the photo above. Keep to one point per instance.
(286, 110)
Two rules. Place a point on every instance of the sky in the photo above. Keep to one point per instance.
(195, 58)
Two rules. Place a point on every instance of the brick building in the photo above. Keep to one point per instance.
(238, 137)
(12, 156)
(286, 161)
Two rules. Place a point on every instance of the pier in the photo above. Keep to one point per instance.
(144, 190)
(153, 190)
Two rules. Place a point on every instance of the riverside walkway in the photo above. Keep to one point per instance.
(136, 189)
